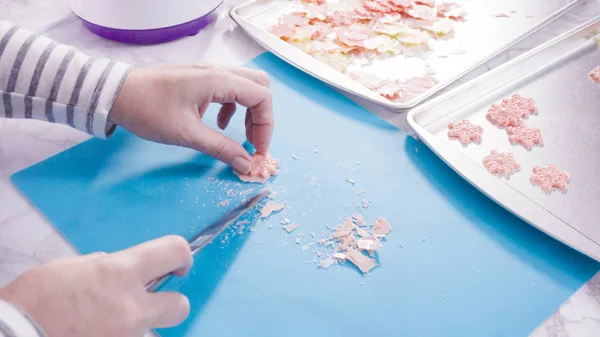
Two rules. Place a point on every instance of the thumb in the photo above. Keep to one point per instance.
(219, 146)
(92, 256)
(168, 309)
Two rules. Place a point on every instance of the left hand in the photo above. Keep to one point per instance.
(166, 104)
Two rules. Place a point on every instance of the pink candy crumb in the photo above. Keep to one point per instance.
(364, 263)
(595, 74)
(271, 207)
(289, 228)
(381, 227)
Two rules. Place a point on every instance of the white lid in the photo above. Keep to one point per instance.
(141, 14)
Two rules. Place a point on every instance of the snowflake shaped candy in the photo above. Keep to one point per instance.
(549, 178)
(501, 164)
(465, 132)
(527, 137)
(511, 111)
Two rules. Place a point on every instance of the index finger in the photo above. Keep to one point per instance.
(231, 88)
(153, 259)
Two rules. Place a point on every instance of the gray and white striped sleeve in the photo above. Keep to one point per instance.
(43, 80)
(16, 323)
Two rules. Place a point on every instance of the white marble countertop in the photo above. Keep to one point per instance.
(27, 239)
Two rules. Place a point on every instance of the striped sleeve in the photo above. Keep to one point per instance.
(40, 79)
(16, 323)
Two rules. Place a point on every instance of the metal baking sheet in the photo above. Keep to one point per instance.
(481, 37)
(555, 75)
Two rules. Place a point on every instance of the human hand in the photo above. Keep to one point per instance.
(166, 104)
(101, 295)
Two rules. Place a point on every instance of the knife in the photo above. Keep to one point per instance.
(208, 234)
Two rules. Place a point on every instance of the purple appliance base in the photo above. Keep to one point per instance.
(152, 36)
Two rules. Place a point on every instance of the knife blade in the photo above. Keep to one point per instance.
(208, 234)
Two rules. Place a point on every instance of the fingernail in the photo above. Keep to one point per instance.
(241, 165)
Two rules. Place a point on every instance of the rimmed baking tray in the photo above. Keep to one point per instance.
(485, 34)
(555, 75)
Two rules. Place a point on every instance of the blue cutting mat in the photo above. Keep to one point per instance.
(456, 264)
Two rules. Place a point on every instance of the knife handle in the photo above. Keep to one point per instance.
(153, 286)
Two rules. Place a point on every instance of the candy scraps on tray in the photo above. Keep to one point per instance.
(357, 37)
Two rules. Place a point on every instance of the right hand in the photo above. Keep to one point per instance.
(101, 295)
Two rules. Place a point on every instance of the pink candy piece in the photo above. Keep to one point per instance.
(450, 10)
(401, 3)
(321, 29)
(376, 6)
(525, 136)
(263, 167)
(422, 12)
(294, 19)
(391, 90)
(465, 132)
(549, 178)
(415, 86)
(502, 164)
(396, 90)
(390, 5)
(595, 74)
(340, 19)
(318, 2)
(353, 38)
(283, 31)
(428, 3)
(365, 14)
(511, 111)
